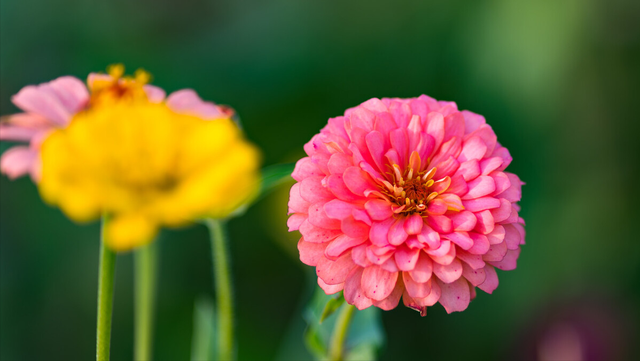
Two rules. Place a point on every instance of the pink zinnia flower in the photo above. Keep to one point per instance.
(407, 197)
(52, 105)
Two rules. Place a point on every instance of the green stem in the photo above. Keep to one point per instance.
(105, 296)
(145, 282)
(336, 344)
(224, 296)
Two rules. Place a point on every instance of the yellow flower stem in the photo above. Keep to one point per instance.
(145, 284)
(105, 296)
(224, 296)
(340, 330)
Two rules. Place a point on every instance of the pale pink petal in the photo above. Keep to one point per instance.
(338, 209)
(336, 185)
(448, 273)
(503, 212)
(512, 236)
(42, 100)
(473, 260)
(310, 253)
(358, 181)
(330, 289)
(474, 276)
(416, 289)
(446, 258)
(312, 191)
(353, 292)
(496, 252)
(17, 161)
(423, 269)
(319, 218)
(17, 134)
(305, 168)
(488, 165)
(71, 92)
(339, 162)
(455, 296)
(295, 220)
(393, 299)
(379, 232)
(315, 234)
(378, 283)
(472, 121)
(335, 272)
(509, 262)
(359, 255)
(296, 203)
(154, 93)
(187, 101)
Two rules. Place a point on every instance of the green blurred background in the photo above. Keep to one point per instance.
(557, 80)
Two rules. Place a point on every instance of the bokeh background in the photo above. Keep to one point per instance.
(559, 81)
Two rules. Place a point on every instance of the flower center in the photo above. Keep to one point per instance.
(413, 189)
(115, 86)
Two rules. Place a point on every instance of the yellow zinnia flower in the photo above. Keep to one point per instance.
(148, 164)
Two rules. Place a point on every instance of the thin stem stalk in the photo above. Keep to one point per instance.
(145, 284)
(224, 294)
(336, 344)
(105, 297)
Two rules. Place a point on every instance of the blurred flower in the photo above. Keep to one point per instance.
(52, 105)
(147, 162)
(407, 197)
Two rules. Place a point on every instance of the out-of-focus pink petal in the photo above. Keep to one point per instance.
(17, 161)
(512, 236)
(154, 93)
(42, 100)
(472, 121)
(187, 101)
(17, 134)
(497, 235)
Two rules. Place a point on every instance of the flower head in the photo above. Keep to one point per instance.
(407, 198)
(52, 105)
(146, 163)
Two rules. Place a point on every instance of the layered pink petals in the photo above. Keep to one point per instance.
(379, 222)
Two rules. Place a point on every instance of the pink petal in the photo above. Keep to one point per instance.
(443, 250)
(416, 289)
(341, 244)
(473, 148)
(397, 234)
(496, 252)
(481, 243)
(429, 237)
(357, 181)
(338, 209)
(71, 92)
(463, 221)
(435, 127)
(458, 186)
(17, 161)
(378, 209)
(448, 273)
(319, 218)
(514, 192)
(509, 262)
(375, 144)
(455, 296)
(488, 165)
(503, 212)
(339, 162)
(469, 170)
(330, 289)
(359, 255)
(17, 134)
(312, 191)
(335, 272)
(472, 121)
(485, 222)
(462, 239)
(453, 202)
(446, 168)
(440, 224)
(42, 100)
(378, 283)
(379, 232)
(437, 207)
(446, 258)
(393, 299)
(310, 253)
(497, 236)
(355, 229)
(413, 224)
(474, 276)
(502, 182)
(295, 220)
(336, 185)
(296, 203)
(473, 260)
(422, 271)
(512, 236)
(187, 101)
(353, 292)
(305, 168)
(490, 280)
(406, 258)
(154, 93)
(453, 125)
(315, 234)
(480, 204)
(480, 187)
(503, 153)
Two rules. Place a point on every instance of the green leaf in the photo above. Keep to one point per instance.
(332, 305)
(365, 336)
(273, 176)
(202, 342)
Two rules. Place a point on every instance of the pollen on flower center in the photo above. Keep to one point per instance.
(413, 189)
(115, 86)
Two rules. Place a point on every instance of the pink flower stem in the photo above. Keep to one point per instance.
(105, 296)
(224, 295)
(336, 344)
(145, 282)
